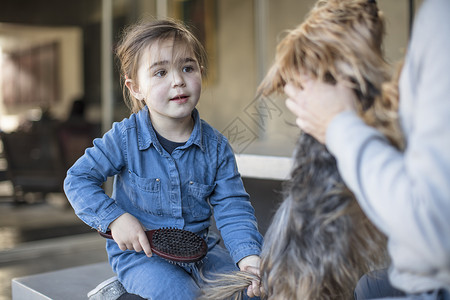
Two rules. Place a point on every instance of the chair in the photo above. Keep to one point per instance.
(73, 138)
(34, 163)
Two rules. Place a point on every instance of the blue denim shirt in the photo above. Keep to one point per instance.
(161, 190)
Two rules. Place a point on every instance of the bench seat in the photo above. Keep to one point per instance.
(69, 284)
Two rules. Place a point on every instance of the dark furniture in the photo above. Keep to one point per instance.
(34, 163)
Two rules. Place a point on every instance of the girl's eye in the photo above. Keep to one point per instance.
(188, 69)
(161, 73)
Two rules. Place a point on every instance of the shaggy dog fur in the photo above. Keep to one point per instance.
(320, 242)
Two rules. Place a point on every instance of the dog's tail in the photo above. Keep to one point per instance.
(227, 286)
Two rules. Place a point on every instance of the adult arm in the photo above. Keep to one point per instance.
(407, 194)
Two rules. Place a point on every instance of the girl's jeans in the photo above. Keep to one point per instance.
(376, 285)
(155, 278)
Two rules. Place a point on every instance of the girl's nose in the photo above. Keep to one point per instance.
(178, 80)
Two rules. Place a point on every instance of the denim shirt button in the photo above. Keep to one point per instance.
(191, 182)
(157, 179)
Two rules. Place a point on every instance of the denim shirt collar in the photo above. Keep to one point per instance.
(147, 135)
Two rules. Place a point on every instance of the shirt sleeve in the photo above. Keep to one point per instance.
(84, 180)
(233, 212)
(407, 194)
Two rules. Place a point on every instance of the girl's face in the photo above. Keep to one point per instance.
(169, 82)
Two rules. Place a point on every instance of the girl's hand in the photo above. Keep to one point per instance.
(251, 264)
(129, 234)
(317, 103)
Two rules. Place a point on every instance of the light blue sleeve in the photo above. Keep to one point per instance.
(407, 195)
(233, 212)
(83, 183)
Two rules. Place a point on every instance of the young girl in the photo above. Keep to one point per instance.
(171, 169)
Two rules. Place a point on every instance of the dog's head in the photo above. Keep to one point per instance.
(339, 40)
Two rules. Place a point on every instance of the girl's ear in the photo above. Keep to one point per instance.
(133, 88)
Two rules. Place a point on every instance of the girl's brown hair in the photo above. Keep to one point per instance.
(138, 37)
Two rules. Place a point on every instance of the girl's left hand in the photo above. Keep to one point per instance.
(251, 264)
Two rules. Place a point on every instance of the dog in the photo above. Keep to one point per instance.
(320, 242)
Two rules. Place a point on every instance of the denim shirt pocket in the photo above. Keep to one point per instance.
(198, 203)
(147, 193)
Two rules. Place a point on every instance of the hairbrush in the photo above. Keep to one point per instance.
(175, 245)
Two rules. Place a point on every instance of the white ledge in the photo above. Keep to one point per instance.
(264, 166)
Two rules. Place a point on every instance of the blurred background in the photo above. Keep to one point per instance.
(60, 88)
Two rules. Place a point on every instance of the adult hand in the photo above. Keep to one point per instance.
(317, 103)
(129, 234)
(251, 264)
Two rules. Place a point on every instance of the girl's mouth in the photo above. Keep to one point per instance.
(180, 98)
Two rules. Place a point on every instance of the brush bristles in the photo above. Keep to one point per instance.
(177, 242)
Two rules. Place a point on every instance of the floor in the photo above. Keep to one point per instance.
(43, 237)
(46, 235)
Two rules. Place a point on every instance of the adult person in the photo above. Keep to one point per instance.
(406, 194)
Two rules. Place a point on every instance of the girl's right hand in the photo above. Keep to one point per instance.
(129, 234)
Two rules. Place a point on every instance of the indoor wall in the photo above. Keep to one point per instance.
(242, 37)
